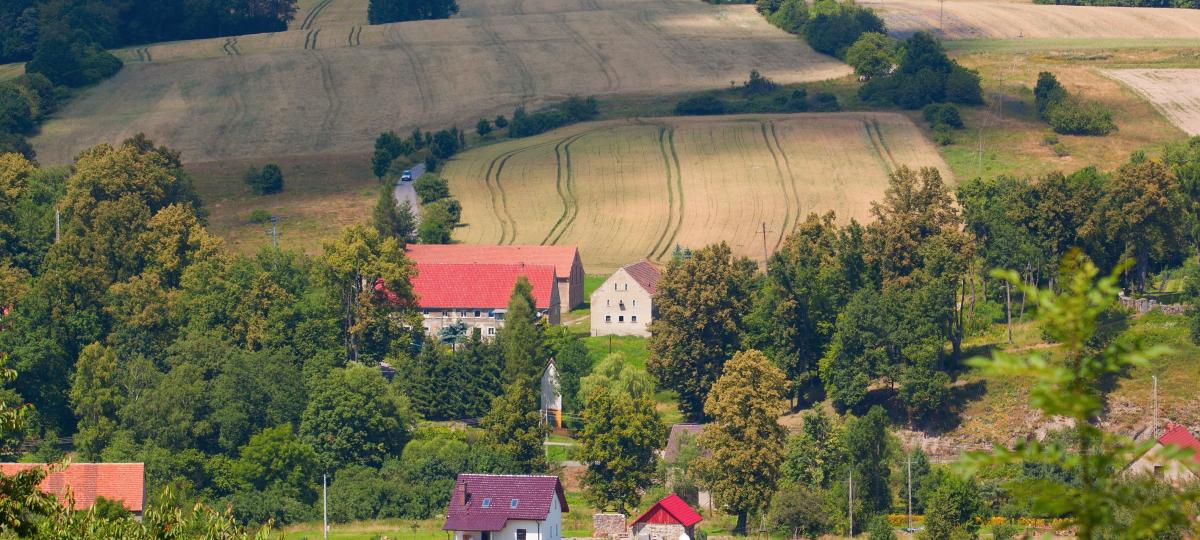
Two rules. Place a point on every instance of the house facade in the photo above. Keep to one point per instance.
(567, 265)
(624, 304)
(120, 482)
(551, 396)
(1155, 463)
(668, 519)
(506, 507)
(476, 295)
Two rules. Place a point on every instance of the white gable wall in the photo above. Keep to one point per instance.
(550, 529)
(621, 307)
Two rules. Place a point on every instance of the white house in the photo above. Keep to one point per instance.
(1170, 471)
(551, 396)
(624, 304)
(506, 507)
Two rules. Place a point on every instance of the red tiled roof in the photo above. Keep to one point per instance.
(1179, 435)
(479, 285)
(645, 274)
(671, 509)
(562, 258)
(113, 481)
(532, 493)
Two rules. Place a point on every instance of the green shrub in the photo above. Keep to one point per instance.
(1073, 116)
(872, 55)
(258, 215)
(268, 179)
(1059, 150)
(798, 101)
(834, 26)
(1050, 139)
(430, 188)
(880, 529)
(941, 114)
(700, 105)
(757, 85)
(825, 102)
(963, 86)
(1005, 531)
(790, 16)
(942, 135)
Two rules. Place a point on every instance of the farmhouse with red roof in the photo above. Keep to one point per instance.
(506, 507)
(1170, 471)
(668, 519)
(477, 294)
(118, 482)
(624, 304)
(568, 268)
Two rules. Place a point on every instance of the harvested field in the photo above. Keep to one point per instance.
(332, 89)
(1174, 92)
(1010, 20)
(325, 13)
(624, 190)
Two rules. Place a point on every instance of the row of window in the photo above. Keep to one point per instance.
(608, 303)
(499, 316)
(512, 504)
(620, 318)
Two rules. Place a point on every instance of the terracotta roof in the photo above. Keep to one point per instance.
(533, 494)
(673, 439)
(671, 509)
(645, 274)
(562, 258)
(113, 481)
(479, 285)
(1180, 436)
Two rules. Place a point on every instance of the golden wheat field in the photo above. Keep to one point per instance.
(1174, 92)
(333, 86)
(967, 19)
(624, 190)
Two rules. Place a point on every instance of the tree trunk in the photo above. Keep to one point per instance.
(1027, 280)
(1143, 266)
(739, 529)
(1008, 310)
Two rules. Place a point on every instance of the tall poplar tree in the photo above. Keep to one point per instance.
(745, 440)
(701, 302)
(521, 337)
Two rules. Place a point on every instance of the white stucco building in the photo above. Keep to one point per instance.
(551, 398)
(624, 304)
(1156, 464)
(506, 507)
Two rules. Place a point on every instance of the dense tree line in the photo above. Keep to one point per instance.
(24, 103)
(572, 110)
(923, 75)
(35, 29)
(239, 379)
(829, 26)
(389, 11)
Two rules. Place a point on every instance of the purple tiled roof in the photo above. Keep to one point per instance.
(532, 493)
(645, 274)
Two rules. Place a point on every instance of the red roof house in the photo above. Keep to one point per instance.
(122, 482)
(668, 519)
(506, 507)
(1153, 462)
(477, 295)
(568, 268)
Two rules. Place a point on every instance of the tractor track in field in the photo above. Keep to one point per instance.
(787, 164)
(666, 140)
(313, 13)
(500, 46)
(230, 47)
(332, 96)
(237, 96)
(662, 130)
(562, 161)
(570, 189)
(496, 193)
(611, 77)
(310, 39)
(787, 199)
(143, 54)
(355, 37)
(878, 149)
(418, 68)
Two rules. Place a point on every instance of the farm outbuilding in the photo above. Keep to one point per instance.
(668, 519)
(1172, 472)
(568, 269)
(624, 304)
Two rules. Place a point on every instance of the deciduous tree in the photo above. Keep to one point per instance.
(620, 437)
(514, 427)
(355, 417)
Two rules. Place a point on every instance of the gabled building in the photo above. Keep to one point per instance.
(668, 519)
(1172, 472)
(477, 295)
(624, 304)
(506, 507)
(117, 482)
(568, 268)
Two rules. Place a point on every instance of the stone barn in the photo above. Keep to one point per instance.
(668, 519)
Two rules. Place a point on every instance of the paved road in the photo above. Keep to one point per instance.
(405, 191)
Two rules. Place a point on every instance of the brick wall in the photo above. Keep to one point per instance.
(608, 525)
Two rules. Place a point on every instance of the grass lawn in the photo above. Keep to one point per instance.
(392, 529)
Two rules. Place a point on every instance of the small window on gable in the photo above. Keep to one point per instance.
(621, 318)
(633, 318)
(520, 532)
(513, 503)
(608, 318)
(635, 303)
(487, 502)
(627, 286)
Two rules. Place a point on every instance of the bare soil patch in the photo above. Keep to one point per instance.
(1174, 92)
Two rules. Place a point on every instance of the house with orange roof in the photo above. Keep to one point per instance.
(1171, 471)
(86, 482)
(476, 295)
(624, 304)
(568, 267)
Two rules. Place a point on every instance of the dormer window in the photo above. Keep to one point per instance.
(512, 505)
(487, 502)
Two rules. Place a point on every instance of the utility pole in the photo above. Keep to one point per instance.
(1008, 307)
(765, 255)
(274, 232)
(57, 225)
(324, 507)
(909, 462)
(941, 21)
(850, 502)
(1154, 399)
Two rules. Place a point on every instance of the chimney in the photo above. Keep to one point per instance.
(466, 495)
